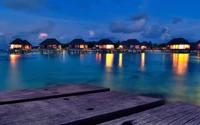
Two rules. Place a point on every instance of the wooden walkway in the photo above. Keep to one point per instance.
(172, 114)
(89, 105)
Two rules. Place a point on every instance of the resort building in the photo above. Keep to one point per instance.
(20, 44)
(178, 44)
(50, 43)
(104, 44)
(130, 44)
(78, 44)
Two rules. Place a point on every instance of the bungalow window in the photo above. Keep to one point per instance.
(82, 46)
(143, 47)
(27, 47)
(137, 46)
(109, 46)
(181, 46)
(54, 46)
(15, 46)
(120, 47)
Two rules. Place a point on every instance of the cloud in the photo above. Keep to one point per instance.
(137, 24)
(46, 28)
(156, 31)
(91, 33)
(30, 5)
(176, 20)
(140, 16)
(5, 38)
(42, 35)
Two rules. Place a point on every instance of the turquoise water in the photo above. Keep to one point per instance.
(174, 77)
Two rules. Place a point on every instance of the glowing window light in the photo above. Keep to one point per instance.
(14, 46)
(82, 46)
(109, 46)
(180, 46)
(143, 47)
(137, 46)
(120, 47)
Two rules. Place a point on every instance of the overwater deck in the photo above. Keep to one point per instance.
(88, 105)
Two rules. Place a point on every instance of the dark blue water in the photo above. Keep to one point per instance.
(174, 77)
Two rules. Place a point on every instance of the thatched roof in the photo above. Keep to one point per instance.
(131, 42)
(18, 41)
(104, 42)
(77, 42)
(144, 43)
(50, 41)
(27, 43)
(177, 41)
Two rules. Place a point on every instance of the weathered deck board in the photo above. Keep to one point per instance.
(83, 109)
(172, 114)
(50, 92)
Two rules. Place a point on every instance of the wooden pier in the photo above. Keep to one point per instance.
(89, 105)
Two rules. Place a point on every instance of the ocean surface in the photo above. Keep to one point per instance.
(173, 77)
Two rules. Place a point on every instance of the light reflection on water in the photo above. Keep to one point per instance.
(174, 77)
(180, 63)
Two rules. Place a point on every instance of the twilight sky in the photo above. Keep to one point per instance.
(151, 20)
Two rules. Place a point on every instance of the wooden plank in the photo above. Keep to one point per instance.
(172, 114)
(77, 110)
(46, 93)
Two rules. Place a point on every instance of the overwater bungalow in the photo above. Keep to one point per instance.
(50, 43)
(105, 44)
(130, 44)
(78, 44)
(20, 44)
(179, 44)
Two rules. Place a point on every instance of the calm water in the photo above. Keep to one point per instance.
(174, 77)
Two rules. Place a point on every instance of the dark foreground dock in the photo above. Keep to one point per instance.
(89, 105)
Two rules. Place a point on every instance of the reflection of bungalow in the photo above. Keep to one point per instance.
(104, 44)
(144, 45)
(78, 44)
(50, 43)
(178, 44)
(130, 44)
(20, 44)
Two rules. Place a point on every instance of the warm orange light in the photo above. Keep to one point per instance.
(180, 63)
(15, 46)
(109, 60)
(13, 59)
(142, 60)
(143, 47)
(109, 46)
(82, 47)
(120, 47)
(120, 60)
(180, 46)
